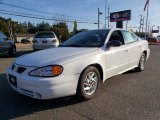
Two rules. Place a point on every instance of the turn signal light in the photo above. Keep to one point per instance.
(56, 70)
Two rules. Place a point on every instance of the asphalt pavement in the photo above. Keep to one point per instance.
(130, 96)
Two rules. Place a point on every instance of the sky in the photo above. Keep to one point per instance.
(83, 11)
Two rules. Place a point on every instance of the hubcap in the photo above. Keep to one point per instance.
(90, 83)
(142, 62)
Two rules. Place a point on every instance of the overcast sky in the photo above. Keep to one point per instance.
(83, 9)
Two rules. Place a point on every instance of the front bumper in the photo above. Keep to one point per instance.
(44, 88)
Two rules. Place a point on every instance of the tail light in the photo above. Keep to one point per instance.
(35, 41)
(53, 41)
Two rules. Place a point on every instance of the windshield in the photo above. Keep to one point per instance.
(93, 38)
(45, 35)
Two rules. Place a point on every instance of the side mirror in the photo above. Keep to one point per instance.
(114, 43)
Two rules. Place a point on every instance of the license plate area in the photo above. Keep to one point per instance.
(45, 42)
(13, 80)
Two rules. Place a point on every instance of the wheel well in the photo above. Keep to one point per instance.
(98, 66)
(145, 52)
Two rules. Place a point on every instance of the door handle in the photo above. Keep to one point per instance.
(126, 50)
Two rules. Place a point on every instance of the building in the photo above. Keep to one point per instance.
(18, 37)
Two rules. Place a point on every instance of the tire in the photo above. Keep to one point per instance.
(12, 51)
(142, 61)
(88, 83)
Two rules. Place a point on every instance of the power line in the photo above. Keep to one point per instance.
(42, 18)
(16, 6)
(14, 12)
(23, 13)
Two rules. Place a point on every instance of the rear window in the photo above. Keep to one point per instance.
(45, 35)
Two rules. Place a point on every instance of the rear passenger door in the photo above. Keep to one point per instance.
(134, 47)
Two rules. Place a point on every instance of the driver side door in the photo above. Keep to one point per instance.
(117, 57)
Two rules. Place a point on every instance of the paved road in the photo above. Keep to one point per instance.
(130, 96)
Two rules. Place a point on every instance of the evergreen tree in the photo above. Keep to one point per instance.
(43, 26)
(75, 26)
(61, 30)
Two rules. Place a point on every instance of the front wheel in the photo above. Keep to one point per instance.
(88, 83)
(142, 61)
(12, 51)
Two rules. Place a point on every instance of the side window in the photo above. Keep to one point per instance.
(128, 37)
(117, 35)
(135, 37)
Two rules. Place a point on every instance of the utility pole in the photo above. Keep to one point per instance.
(99, 13)
(147, 18)
(140, 24)
(105, 13)
(98, 18)
(108, 16)
(148, 27)
(143, 24)
(10, 29)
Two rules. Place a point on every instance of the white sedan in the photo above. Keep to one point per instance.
(78, 65)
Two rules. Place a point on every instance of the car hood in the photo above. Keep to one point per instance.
(58, 56)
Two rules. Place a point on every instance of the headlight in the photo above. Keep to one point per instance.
(48, 71)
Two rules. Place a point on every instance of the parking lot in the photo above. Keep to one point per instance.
(130, 96)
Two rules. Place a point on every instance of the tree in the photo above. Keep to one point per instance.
(31, 28)
(61, 30)
(75, 26)
(3, 26)
(43, 26)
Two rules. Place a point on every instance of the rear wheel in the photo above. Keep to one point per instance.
(88, 83)
(142, 61)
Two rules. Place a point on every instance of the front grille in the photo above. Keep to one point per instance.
(18, 68)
